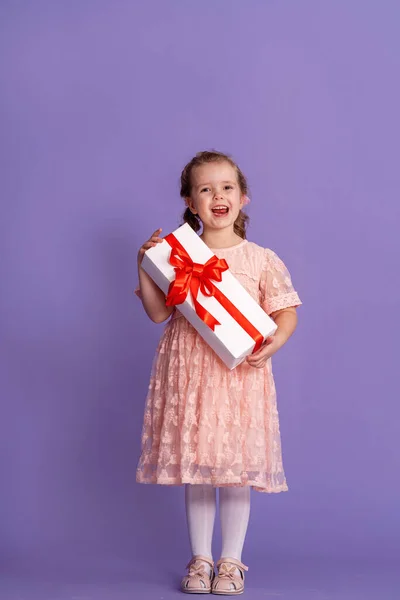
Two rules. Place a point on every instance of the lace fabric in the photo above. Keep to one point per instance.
(206, 424)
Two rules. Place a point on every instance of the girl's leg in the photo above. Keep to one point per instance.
(200, 513)
(234, 508)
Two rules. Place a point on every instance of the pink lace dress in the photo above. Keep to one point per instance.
(204, 423)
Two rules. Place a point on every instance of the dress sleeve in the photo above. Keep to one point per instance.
(276, 286)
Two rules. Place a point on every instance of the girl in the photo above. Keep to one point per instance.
(204, 425)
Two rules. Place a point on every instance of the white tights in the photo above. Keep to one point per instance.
(234, 510)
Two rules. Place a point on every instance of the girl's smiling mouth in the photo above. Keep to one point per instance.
(220, 210)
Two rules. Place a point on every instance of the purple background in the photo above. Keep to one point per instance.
(102, 103)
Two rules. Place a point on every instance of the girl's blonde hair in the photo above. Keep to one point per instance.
(203, 158)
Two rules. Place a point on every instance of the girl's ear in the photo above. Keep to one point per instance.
(190, 205)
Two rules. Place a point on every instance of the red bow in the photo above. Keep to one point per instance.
(194, 277)
(191, 276)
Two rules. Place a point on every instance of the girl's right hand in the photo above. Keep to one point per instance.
(151, 242)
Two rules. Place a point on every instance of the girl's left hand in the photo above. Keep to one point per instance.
(268, 349)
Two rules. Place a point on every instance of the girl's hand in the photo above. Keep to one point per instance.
(268, 349)
(151, 242)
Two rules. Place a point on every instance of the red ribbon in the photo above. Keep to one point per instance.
(191, 276)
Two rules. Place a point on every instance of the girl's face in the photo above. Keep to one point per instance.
(216, 196)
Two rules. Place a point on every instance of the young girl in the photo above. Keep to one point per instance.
(204, 425)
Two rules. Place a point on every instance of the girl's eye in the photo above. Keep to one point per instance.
(229, 187)
(205, 190)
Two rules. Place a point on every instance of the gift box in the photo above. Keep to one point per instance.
(204, 290)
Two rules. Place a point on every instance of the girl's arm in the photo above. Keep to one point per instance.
(153, 299)
(286, 319)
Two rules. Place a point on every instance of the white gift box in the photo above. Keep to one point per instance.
(229, 340)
